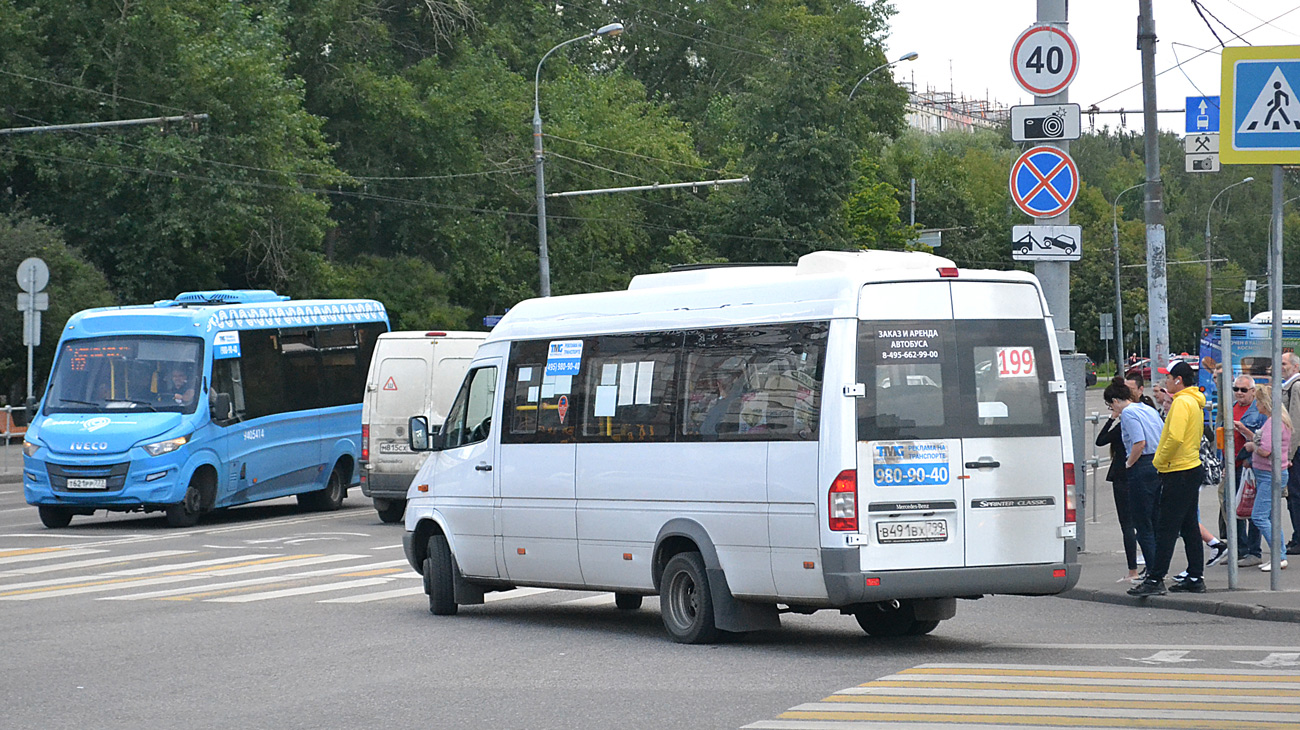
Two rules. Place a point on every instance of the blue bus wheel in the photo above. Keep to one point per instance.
(186, 512)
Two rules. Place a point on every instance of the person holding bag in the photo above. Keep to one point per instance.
(1260, 452)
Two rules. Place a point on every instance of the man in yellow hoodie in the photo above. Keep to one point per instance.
(1178, 461)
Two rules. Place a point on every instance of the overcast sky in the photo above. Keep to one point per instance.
(973, 38)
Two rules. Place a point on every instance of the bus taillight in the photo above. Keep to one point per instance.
(1069, 492)
(844, 502)
(365, 442)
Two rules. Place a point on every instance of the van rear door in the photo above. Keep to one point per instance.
(910, 497)
(1011, 424)
(400, 388)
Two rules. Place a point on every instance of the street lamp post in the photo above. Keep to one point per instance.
(1209, 291)
(543, 258)
(1119, 296)
(912, 56)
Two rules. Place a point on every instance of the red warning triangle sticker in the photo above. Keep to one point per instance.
(391, 384)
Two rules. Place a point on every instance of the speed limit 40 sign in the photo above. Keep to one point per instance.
(1044, 60)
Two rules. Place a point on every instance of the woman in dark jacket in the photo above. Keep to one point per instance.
(1112, 436)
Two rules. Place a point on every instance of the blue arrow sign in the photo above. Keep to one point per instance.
(1202, 114)
(1044, 182)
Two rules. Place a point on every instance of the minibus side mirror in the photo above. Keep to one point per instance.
(421, 436)
(220, 407)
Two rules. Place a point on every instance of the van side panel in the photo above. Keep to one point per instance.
(537, 513)
(793, 496)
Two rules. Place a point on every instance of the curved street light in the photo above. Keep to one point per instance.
(912, 56)
(1209, 291)
(543, 259)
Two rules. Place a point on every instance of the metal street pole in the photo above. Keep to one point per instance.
(1209, 290)
(1119, 294)
(912, 56)
(1277, 547)
(543, 257)
(1157, 280)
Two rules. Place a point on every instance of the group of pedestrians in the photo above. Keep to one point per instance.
(1157, 472)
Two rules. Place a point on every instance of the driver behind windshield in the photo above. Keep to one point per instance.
(177, 387)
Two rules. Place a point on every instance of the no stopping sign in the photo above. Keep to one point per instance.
(1044, 60)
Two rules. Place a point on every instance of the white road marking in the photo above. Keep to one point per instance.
(383, 596)
(91, 563)
(48, 555)
(605, 599)
(1165, 657)
(516, 593)
(1275, 659)
(127, 573)
(1139, 647)
(302, 591)
(254, 581)
(1042, 695)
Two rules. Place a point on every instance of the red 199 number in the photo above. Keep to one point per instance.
(1016, 362)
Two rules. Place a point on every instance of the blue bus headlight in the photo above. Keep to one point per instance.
(30, 448)
(166, 447)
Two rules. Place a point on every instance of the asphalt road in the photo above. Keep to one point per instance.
(266, 616)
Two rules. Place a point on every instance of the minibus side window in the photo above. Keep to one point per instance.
(540, 408)
(631, 387)
(754, 383)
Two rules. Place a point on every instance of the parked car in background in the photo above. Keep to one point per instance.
(1090, 379)
(1141, 367)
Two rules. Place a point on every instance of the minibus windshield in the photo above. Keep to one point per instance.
(127, 372)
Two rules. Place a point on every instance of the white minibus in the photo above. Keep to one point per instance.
(410, 372)
(875, 432)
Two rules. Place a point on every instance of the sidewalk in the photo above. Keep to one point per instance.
(1103, 564)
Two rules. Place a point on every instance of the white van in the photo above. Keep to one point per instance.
(410, 373)
(874, 432)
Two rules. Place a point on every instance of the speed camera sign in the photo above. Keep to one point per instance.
(1044, 60)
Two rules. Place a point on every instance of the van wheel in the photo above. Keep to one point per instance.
(890, 623)
(627, 601)
(438, 578)
(328, 499)
(685, 601)
(390, 510)
(54, 517)
(186, 512)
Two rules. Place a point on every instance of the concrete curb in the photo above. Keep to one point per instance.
(1195, 604)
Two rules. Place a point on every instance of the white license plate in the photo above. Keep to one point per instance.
(394, 447)
(87, 484)
(926, 531)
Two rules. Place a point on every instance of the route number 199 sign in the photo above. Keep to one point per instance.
(1044, 60)
(1016, 362)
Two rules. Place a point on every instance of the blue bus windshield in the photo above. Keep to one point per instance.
(127, 372)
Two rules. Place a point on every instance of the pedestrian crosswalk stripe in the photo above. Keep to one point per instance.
(9, 557)
(126, 576)
(300, 591)
(381, 596)
(954, 696)
(91, 562)
(516, 593)
(213, 588)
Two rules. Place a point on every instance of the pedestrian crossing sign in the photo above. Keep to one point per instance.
(1260, 115)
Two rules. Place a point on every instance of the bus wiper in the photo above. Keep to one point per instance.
(78, 402)
(146, 404)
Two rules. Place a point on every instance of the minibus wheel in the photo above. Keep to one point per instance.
(186, 512)
(54, 517)
(390, 510)
(685, 602)
(438, 579)
(328, 499)
(627, 601)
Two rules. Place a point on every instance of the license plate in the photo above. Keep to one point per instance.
(394, 447)
(87, 484)
(927, 531)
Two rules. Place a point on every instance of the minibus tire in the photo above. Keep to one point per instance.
(627, 601)
(890, 623)
(391, 511)
(328, 499)
(186, 512)
(685, 602)
(438, 577)
(54, 517)
(921, 628)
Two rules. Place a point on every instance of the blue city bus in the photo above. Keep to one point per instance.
(208, 400)
(1252, 348)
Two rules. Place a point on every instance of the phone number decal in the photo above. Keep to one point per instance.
(905, 475)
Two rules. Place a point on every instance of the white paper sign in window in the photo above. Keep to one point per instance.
(1016, 362)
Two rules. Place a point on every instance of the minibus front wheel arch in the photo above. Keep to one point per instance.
(199, 497)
